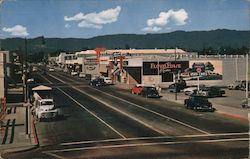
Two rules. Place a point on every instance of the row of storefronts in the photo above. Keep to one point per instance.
(158, 67)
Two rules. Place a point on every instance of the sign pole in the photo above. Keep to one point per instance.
(198, 80)
(198, 70)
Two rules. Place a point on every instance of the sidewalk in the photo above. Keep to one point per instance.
(232, 112)
(13, 131)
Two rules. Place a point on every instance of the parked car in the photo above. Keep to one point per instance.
(211, 91)
(51, 69)
(30, 80)
(73, 73)
(34, 69)
(97, 82)
(45, 109)
(190, 90)
(82, 75)
(108, 80)
(137, 89)
(173, 89)
(180, 85)
(245, 104)
(244, 86)
(199, 103)
(149, 92)
(237, 85)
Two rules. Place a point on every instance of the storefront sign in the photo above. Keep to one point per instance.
(152, 68)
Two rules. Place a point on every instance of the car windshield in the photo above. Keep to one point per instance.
(46, 103)
(202, 98)
(151, 88)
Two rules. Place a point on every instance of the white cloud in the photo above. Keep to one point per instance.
(77, 17)
(96, 20)
(178, 17)
(17, 30)
(151, 29)
(67, 26)
(84, 24)
(248, 1)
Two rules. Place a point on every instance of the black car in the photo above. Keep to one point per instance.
(178, 86)
(212, 91)
(97, 82)
(199, 103)
(150, 92)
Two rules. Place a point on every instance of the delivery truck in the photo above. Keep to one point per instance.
(43, 105)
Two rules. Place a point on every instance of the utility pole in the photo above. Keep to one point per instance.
(25, 72)
(1, 2)
(175, 74)
(247, 60)
(247, 73)
(236, 68)
(158, 70)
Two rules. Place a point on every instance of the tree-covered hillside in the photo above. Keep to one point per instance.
(201, 41)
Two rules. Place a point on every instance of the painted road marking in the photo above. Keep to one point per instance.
(146, 144)
(159, 114)
(116, 131)
(151, 138)
(117, 110)
(55, 155)
(146, 109)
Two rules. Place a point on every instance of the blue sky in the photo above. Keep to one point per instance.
(89, 18)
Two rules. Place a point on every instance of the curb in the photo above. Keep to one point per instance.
(218, 111)
(18, 150)
(34, 142)
(233, 116)
(34, 132)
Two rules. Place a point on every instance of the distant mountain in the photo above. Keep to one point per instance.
(190, 41)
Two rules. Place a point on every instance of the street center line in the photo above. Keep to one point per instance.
(117, 110)
(54, 155)
(149, 110)
(116, 131)
(159, 114)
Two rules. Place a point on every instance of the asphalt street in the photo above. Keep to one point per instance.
(106, 122)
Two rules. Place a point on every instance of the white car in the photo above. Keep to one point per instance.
(51, 69)
(30, 80)
(190, 90)
(108, 80)
(73, 73)
(82, 75)
(44, 109)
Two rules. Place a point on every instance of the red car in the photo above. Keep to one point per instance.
(137, 89)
